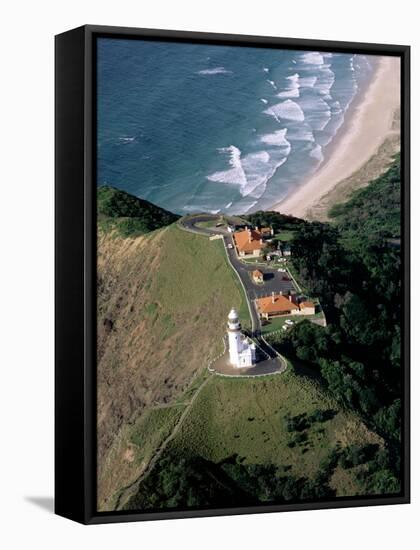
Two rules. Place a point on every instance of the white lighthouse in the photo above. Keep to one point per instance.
(242, 351)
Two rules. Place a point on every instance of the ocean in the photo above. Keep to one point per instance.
(205, 128)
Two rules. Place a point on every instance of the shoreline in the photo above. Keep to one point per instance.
(370, 122)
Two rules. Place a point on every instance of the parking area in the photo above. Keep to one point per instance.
(274, 281)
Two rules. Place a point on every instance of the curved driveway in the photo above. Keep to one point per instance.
(273, 278)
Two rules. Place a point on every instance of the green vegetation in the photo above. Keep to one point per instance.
(212, 223)
(158, 296)
(277, 323)
(357, 275)
(247, 417)
(264, 439)
(329, 426)
(129, 215)
(374, 210)
(279, 222)
(194, 272)
(284, 236)
(256, 261)
(151, 429)
(185, 482)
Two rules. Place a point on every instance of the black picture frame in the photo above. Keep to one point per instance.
(75, 268)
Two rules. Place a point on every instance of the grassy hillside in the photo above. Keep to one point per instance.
(283, 426)
(163, 299)
(249, 418)
(129, 215)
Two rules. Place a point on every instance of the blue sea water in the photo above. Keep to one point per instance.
(211, 128)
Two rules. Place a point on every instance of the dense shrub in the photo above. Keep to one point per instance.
(129, 215)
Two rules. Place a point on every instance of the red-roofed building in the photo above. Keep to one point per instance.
(266, 232)
(258, 276)
(307, 308)
(248, 242)
(276, 305)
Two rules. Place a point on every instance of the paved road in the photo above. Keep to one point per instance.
(274, 280)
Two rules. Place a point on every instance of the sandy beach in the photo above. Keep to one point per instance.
(370, 122)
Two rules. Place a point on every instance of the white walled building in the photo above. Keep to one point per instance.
(242, 351)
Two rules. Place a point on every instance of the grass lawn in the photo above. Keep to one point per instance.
(278, 322)
(253, 261)
(284, 236)
(203, 268)
(249, 418)
(211, 223)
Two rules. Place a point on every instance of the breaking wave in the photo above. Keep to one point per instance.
(216, 70)
(313, 58)
(235, 174)
(289, 110)
(292, 88)
(307, 81)
(301, 132)
(252, 172)
(277, 138)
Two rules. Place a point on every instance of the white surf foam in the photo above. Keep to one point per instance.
(303, 132)
(288, 110)
(316, 153)
(260, 168)
(259, 156)
(229, 204)
(325, 80)
(308, 81)
(235, 175)
(216, 70)
(277, 138)
(335, 107)
(292, 88)
(251, 172)
(312, 58)
(318, 113)
(292, 93)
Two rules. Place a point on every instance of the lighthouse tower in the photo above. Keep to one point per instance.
(235, 337)
(242, 352)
